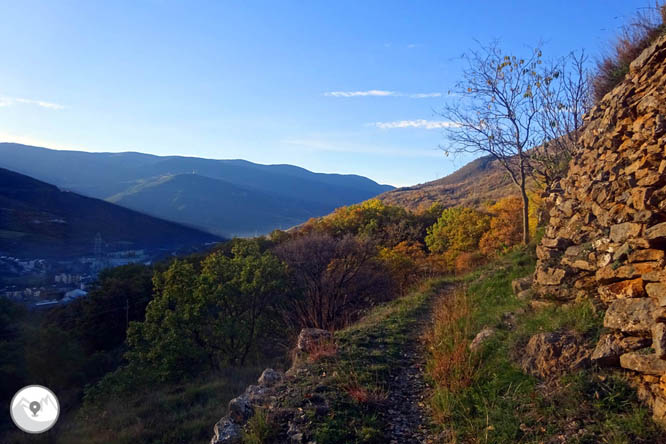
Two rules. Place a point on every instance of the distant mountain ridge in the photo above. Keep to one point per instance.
(170, 187)
(39, 220)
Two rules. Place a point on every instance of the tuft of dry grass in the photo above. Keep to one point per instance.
(646, 27)
(451, 366)
(321, 350)
(367, 395)
(363, 393)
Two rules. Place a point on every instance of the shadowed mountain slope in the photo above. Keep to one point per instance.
(38, 219)
(241, 211)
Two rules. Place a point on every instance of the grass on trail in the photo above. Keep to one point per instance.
(484, 397)
(368, 356)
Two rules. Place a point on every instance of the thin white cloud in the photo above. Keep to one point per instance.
(421, 123)
(9, 101)
(425, 95)
(370, 93)
(381, 93)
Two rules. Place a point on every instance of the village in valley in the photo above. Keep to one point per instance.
(42, 283)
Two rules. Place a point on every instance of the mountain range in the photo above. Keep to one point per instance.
(39, 220)
(223, 197)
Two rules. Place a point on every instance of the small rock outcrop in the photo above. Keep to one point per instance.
(312, 338)
(229, 429)
(554, 353)
(606, 236)
(268, 396)
(481, 337)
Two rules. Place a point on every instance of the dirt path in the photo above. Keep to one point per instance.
(407, 412)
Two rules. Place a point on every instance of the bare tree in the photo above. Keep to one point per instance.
(336, 278)
(564, 98)
(497, 113)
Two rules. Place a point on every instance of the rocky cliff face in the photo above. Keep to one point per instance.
(607, 232)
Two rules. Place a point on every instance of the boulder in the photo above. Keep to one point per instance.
(657, 291)
(647, 364)
(655, 276)
(240, 409)
(632, 316)
(659, 410)
(646, 255)
(480, 338)
(521, 284)
(632, 288)
(550, 276)
(625, 231)
(557, 243)
(656, 232)
(270, 377)
(227, 432)
(311, 338)
(551, 354)
(611, 273)
(546, 254)
(526, 295)
(613, 345)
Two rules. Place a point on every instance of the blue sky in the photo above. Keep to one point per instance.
(332, 86)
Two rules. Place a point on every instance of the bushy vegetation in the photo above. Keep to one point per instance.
(334, 278)
(458, 230)
(646, 27)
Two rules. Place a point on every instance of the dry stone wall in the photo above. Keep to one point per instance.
(606, 236)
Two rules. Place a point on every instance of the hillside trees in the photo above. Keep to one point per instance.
(119, 297)
(458, 230)
(199, 321)
(373, 220)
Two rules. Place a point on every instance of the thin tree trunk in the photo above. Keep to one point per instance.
(526, 213)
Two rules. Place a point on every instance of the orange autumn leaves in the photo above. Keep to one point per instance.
(463, 237)
(412, 245)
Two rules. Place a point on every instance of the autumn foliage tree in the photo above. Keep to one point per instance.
(375, 221)
(405, 262)
(505, 226)
(457, 230)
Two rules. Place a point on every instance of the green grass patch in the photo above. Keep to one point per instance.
(501, 404)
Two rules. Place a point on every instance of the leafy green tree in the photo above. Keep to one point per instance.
(372, 220)
(236, 297)
(202, 321)
(457, 230)
(165, 341)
